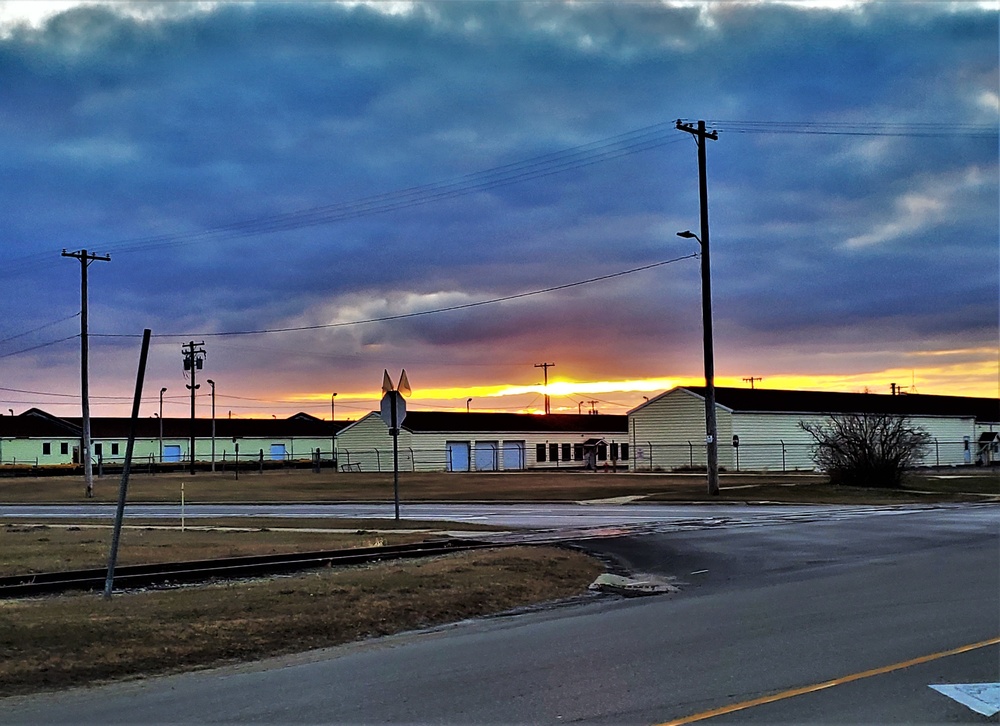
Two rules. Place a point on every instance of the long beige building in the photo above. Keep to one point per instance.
(759, 429)
(450, 441)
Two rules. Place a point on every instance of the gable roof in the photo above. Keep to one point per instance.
(458, 422)
(912, 404)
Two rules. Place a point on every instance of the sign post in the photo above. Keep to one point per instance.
(393, 411)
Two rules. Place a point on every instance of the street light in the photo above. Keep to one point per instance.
(333, 429)
(467, 402)
(712, 437)
(162, 391)
(210, 382)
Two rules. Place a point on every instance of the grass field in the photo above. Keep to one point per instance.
(57, 642)
(298, 485)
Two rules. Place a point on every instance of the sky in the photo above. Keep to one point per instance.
(322, 191)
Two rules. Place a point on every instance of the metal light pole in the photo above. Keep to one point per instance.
(333, 428)
(210, 382)
(162, 391)
(468, 403)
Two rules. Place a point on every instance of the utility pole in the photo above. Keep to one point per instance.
(751, 379)
(85, 260)
(712, 434)
(545, 368)
(593, 407)
(194, 357)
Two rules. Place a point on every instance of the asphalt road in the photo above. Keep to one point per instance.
(540, 516)
(870, 608)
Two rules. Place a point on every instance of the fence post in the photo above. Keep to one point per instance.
(378, 461)
(413, 459)
(782, 454)
(690, 454)
(937, 453)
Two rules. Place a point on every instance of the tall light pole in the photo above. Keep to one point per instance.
(210, 382)
(333, 429)
(701, 137)
(162, 391)
(468, 403)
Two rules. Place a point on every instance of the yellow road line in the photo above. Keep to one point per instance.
(781, 696)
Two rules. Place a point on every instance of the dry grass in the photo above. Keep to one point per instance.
(72, 640)
(298, 485)
(29, 548)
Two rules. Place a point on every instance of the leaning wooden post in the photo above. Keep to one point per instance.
(123, 486)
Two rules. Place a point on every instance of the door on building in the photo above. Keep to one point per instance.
(513, 455)
(171, 453)
(486, 455)
(277, 452)
(458, 455)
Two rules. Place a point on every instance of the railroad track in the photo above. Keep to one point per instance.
(173, 573)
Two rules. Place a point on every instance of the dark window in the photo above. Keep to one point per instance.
(624, 452)
(46, 448)
(565, 452)
(114, 449)
(98, 449)
(614, 451)
(63, 448)
(602, 452)
(553, 452)
(577, 452)
(540, 452)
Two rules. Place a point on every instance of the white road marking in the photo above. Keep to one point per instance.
(983, 698)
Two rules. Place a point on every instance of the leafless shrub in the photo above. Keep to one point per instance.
(867, 449)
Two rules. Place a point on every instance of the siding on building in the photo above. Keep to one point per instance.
(425, 439)
(667, 430)
(25, 438)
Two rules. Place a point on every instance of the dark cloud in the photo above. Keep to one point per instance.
(130, 134)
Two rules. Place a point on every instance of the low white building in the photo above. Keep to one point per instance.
(759, 429)
(451, 441)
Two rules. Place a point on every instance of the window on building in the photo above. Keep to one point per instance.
(553, 452)
(98, 449)
(540, 452)
(114, 449)
(64, 448)
(624, 452)
(566, 452)
(577, 452)
(614, 450)
(46, 448)
(602, 452)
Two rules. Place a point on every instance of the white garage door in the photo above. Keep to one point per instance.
(486, 455)
(458, 455)
(513, 455)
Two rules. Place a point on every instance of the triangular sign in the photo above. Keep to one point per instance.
(386, 382)
(404, 385)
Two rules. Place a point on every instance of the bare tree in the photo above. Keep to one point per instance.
(867, 449)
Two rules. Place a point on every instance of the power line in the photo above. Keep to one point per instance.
(41, 345)
(403, 316)
(864, 128)
(40, 327)
(564, 160)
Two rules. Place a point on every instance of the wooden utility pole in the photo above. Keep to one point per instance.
(85, 260)
(194, 356)
(545, 368)
(712, 434)
(751, 379)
